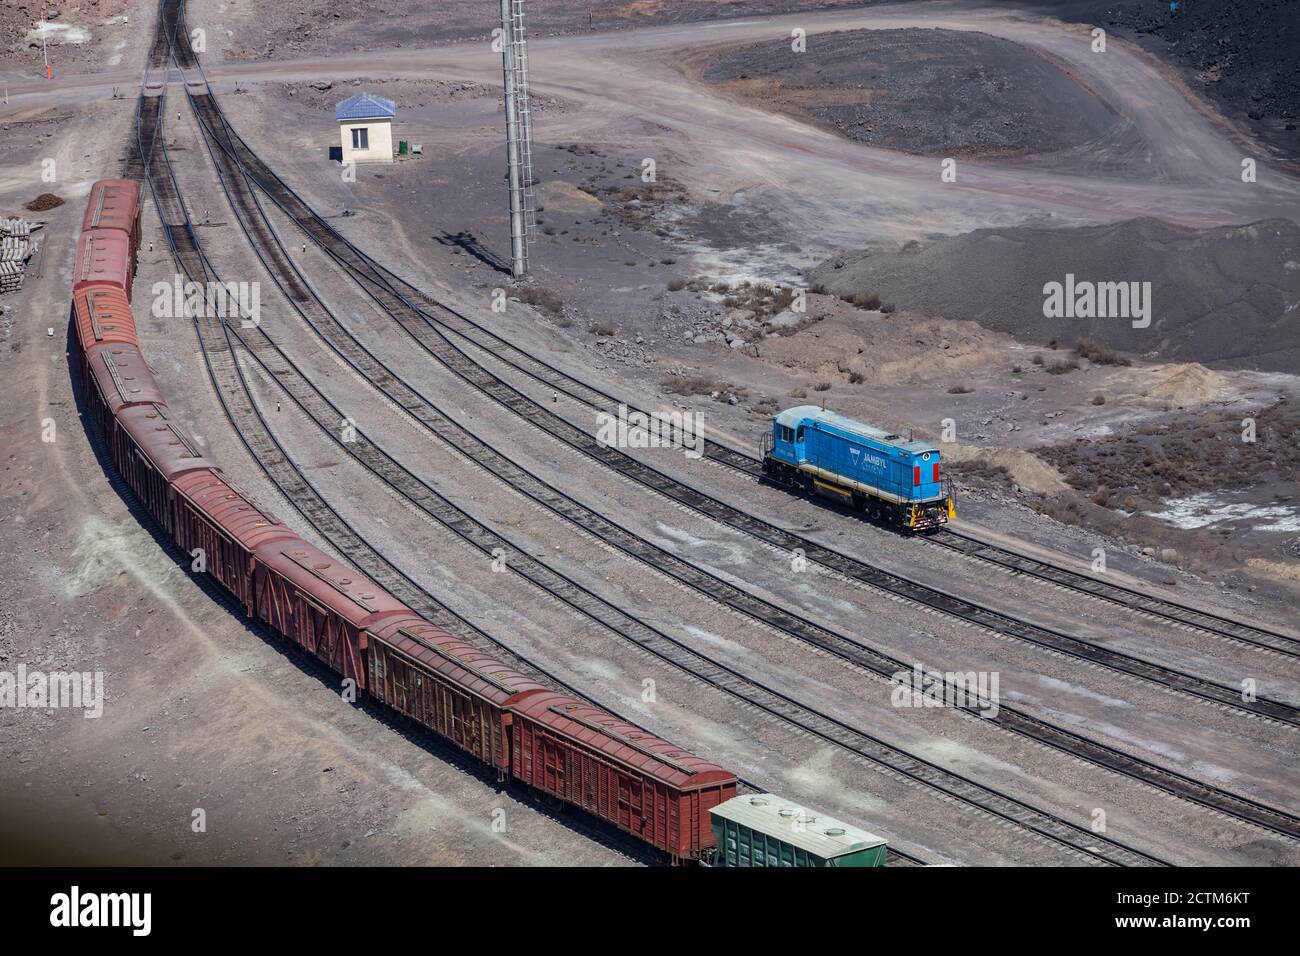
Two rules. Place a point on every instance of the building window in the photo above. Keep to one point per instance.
(360, 138)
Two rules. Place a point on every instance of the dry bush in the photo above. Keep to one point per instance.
(822, 387)
(543, 299)
(960, 390)
(1063, 366)
(693, 385)
(1099, 353)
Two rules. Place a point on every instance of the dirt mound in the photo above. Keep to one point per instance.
(43, 202)
(1186, 385)
(1223, 297)
(561, 197)
(1025, 468)
(922, 91)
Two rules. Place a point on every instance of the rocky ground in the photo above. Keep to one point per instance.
(1238, 53)
(922, 91)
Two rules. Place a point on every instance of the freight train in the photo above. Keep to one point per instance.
(562, 748)
(893, 479)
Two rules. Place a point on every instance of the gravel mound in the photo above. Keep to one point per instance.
(1227, 297)
(43, 202)
(922, 91)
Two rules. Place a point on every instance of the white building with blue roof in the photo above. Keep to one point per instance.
(366, 128)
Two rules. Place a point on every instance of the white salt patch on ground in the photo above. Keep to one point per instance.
(55, 32)
(1208, 508)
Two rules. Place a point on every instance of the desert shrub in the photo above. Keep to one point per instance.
(1099, 353)
(693, 385)
(1038, 359)
(676, 285)
(543, 299)
(960, 390)
(888, 308)
(605, 328)
(1063, 366)
(1099, 399)
(822, 387)
(799, 392)
(855, 377)
(865, 300)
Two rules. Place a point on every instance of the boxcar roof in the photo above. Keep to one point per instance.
(466, 665)
(621, 741)
(156, 434)
(102, 255)
(103, 314)
(793, 417)
(326, 579)
(776, 816)
(114, 204)
(229, 509)
(123, 375)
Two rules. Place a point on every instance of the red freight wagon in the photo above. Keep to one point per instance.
(104, 255)
(150, 453)
(618, 772)
(212, 516)
(321, 605)
(453, 688)
(115, 204)
(114, 376)
(103, 315)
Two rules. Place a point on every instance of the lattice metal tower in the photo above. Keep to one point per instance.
(519, 135)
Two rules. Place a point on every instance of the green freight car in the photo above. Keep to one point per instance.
(766, 830)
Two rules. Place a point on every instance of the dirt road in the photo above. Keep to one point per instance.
(823, 189)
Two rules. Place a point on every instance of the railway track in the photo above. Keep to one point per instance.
(217, 340)
(466, 329)
(299, 389)
(438, 424)
(480, 452)
(425, 330)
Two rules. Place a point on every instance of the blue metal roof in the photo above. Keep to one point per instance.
(794, 417)
(365, 106)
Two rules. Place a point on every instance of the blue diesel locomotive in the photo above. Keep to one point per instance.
(891, 478)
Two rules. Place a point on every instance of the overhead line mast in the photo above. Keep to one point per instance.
(519, 135)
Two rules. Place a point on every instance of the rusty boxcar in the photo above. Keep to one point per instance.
(115, 204)
(104, 255)
(453, 688)
(618, 772)
(114, 376)
(150, 453)
(226, 528)
(102, 316)
(321, 605)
